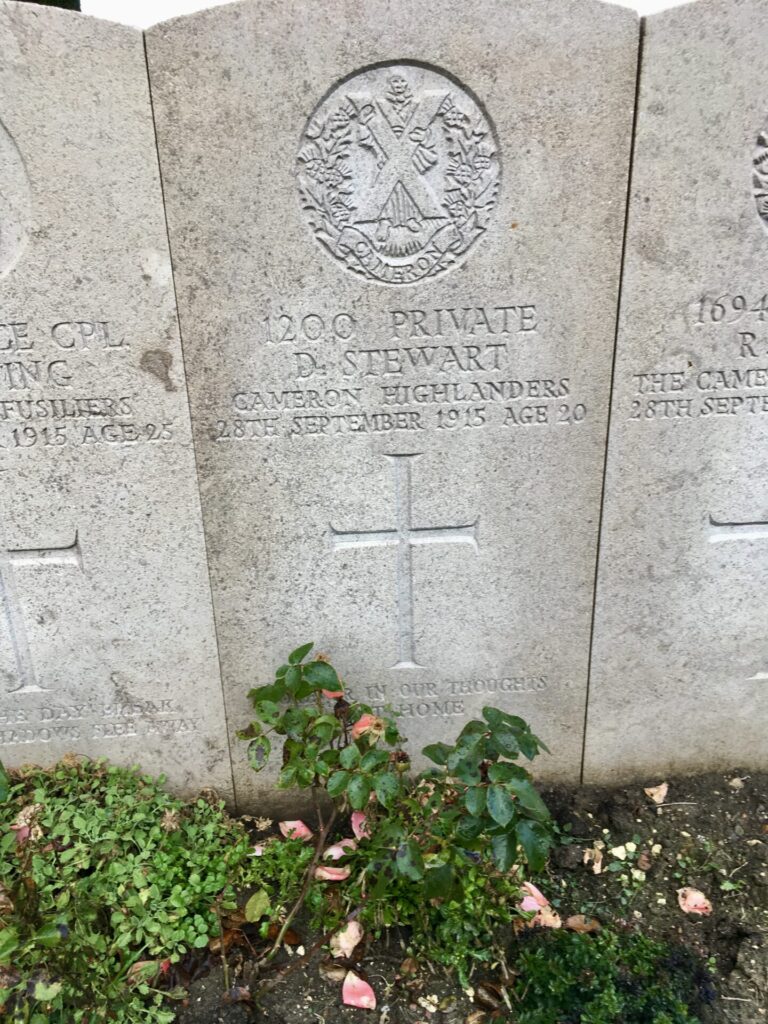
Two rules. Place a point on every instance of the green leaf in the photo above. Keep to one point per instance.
(374, 759)
(9, 942)
(468, 771)
(535, 842)
(503, 849)
(275, 691)
(300, 653)
(495, 717)
(502, 771)
(409, 862)
(337, 784)
(5, 784)
(500, 805)
(439, 882)
(322, 675)
(350, 756)
(281, 671)
(387, 788)
(437, 752)
(267, 711)
(469, 828)
(506, 741)
(359, 791)
(474, 800)
(258, 752)
(51, 934)
(531, 745)
(293, 678)
(529, 798)
(45, 992)
(258, 906)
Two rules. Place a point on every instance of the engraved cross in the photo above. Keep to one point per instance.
(398, 164)
(10, 609)
(404, 536)
(721, 531)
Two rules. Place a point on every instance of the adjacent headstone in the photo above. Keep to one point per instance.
(396, 232)
(680, 665)
(107, 644)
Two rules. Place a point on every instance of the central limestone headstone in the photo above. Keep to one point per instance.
(107, 644)
(396, 233)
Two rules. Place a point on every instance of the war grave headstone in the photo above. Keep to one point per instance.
(396, 233)
(107, 642)
(680, 666)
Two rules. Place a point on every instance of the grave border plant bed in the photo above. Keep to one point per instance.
(99, 921)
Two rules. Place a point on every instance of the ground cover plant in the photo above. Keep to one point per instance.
(106, 881)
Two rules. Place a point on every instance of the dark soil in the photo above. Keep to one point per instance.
(711, 834)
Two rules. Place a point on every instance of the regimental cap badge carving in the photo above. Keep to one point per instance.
(398, 173)
(760, 176)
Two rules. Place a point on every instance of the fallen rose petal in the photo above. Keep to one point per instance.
(582, 924)
(328, 874)
(534, 898)
(341, 848)
(547, 918)
(344, 941)
(594, 856)
(359, 824)
(692, 901)
(657, 793)
(356, 992)
(258, 850)
(295, 830)
(22, 833)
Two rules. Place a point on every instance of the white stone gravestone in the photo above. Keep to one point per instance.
(396, 232)
(107, 643)
(680, 660)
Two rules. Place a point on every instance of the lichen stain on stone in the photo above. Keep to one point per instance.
(158, 362)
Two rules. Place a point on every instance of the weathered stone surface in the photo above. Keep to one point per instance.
(680, 667)
(396, 232)
(107, 642)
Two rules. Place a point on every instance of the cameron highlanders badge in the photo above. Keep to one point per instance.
(398, 173)
(760, 176)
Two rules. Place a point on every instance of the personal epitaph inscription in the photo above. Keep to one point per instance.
(404, 536)
(680, 648)
(107, 644)
(398, 172)
(361, 286)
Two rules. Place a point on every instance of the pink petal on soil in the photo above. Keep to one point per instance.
(528, 904)
(692, 901)
(331, 874)
(547, 918)
(341, 848)
(258, 850)
(22, 833)
(295, 830)
(356, 992)
(533, 898)
(344, 941)
(359, 824)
